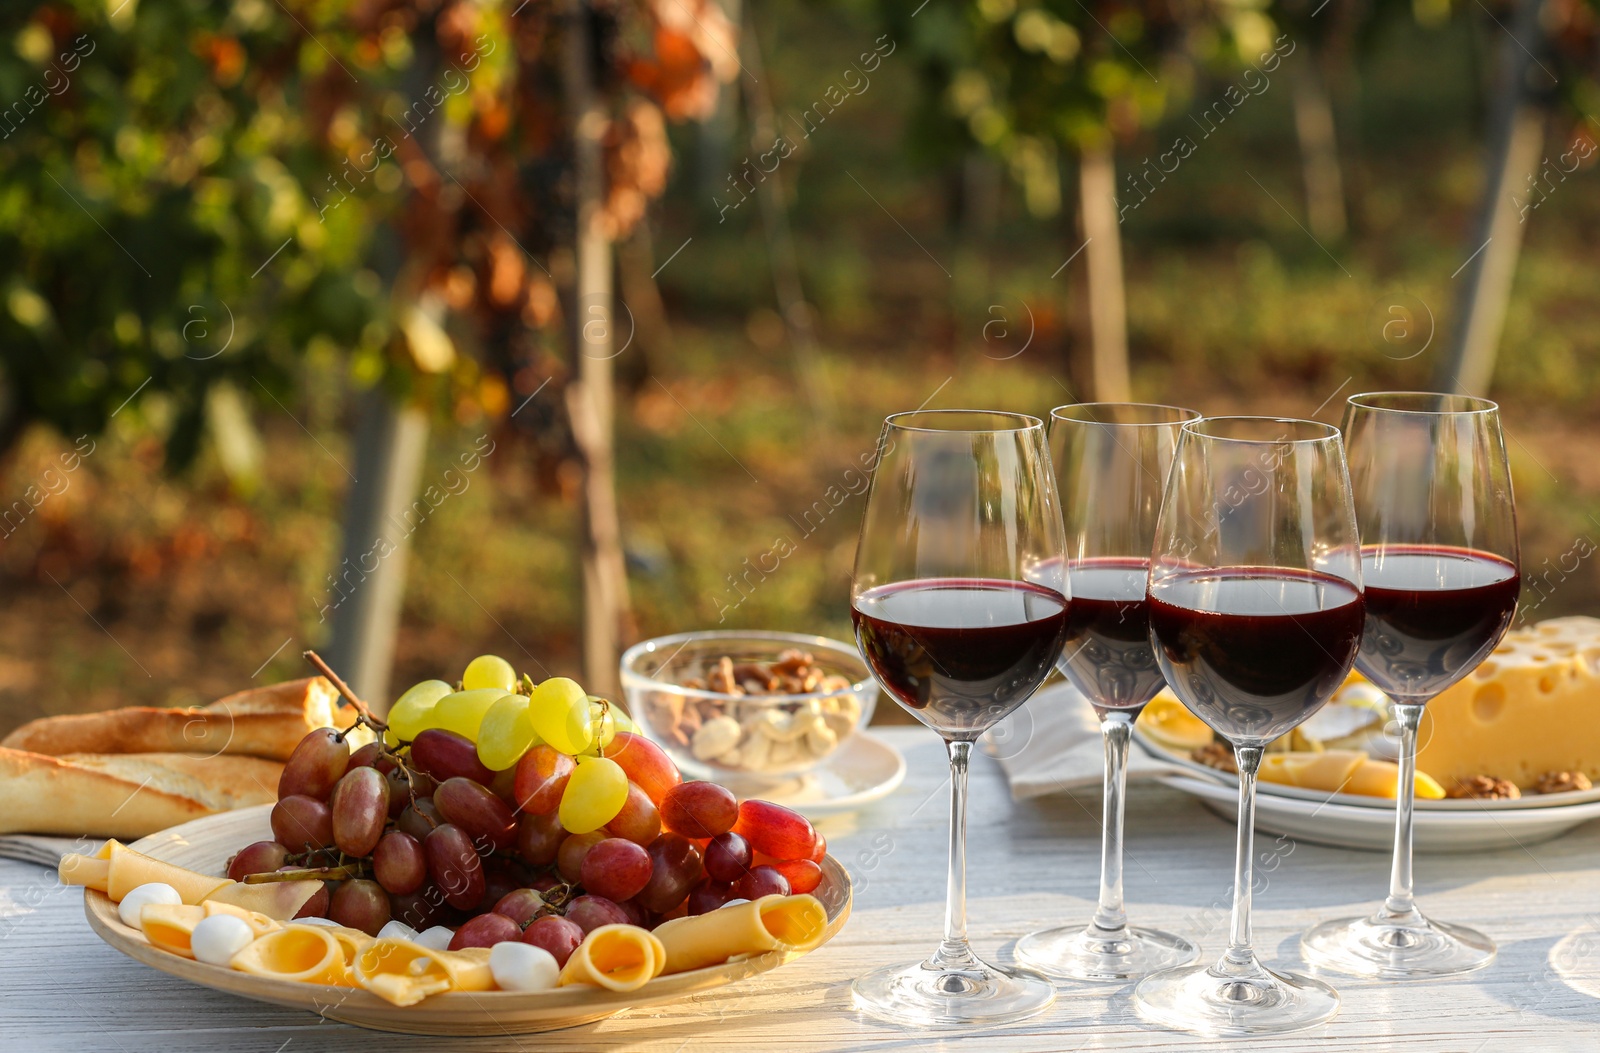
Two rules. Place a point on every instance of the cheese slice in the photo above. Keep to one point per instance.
(260, 924)
(88, 871)
(130, 869)
(402, 973)
(794, 923)
(1531, 708)
(1328, 770)
(305, 953)
(616, 957)
(1343, 771)
(1170, 724)
(281, 900)
(170, 925)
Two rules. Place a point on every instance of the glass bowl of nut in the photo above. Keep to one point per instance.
(761, 706)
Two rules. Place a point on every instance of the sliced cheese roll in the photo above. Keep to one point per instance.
(400, 972)
(169, 926)
(130, 869)
(616, 957)
(91, 871)
(790, 923)
(259, 923)
(280, 900)
(304, 953)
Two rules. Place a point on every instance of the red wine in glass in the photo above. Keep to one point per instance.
(1107, 652)
(1434, 612)
(960, 653)
(1259, 649)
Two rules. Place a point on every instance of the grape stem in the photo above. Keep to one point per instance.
(338, 873)
(344, 689)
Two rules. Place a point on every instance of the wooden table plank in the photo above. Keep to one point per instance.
(1031, 864)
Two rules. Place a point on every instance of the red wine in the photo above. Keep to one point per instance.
(960, 653)
(1433, 614)
(1253, 651)
(1107, 654)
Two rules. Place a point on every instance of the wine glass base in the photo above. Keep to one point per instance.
(1229, 1000)
(1101, 955)
(928, 994)
(1396, 949)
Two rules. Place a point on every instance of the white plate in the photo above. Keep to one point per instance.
(1362, 800)
(1355, 826)
(863, 770)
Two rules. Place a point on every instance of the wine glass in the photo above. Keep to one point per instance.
(1111, 461)
(1439, 555)
(1255, 616)
(959, 601)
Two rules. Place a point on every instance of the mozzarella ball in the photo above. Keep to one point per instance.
(397, 930)
(218, 938)
(435, 939)
(138, 898)
(523, 967)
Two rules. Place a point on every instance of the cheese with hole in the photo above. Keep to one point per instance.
(1532, 707)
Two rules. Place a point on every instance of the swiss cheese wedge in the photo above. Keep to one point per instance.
(1532, 707)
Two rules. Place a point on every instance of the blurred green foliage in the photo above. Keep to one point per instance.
(156, 159)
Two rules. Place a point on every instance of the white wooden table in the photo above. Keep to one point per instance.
(61, 988)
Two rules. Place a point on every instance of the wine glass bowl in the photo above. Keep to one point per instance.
(959, 603)
(1439, 552)
(1111, 462)
(1256, 614)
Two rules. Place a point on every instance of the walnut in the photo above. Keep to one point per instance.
(1485, 788)
(1218, 755)
(1562, 782)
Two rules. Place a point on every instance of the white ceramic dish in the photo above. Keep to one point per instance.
(863, 769)
(1349, 826)
(1360, 800)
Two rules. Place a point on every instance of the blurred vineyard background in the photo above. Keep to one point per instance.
(251, 251)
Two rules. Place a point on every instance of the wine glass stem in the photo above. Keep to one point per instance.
(1400, 903)
(954, 951)
(1109, 916)
(1240, 954)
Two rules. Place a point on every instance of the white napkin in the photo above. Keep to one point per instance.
(45, 851)
(1052, 744)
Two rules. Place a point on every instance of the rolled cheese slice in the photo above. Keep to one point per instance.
(280, 900)
(304, 953)
(130, 869)
(116, 870)
(402, 973)
(1328, 770)
(792, 923)
(259, 923)
(1343, 771)
(616, 957)
(1381, 778)
(170, 925)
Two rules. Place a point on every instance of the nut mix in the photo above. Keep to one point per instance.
(759, 737)
(1562, 782)
(1485, 788)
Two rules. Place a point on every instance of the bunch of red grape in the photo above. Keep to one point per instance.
(422, 832)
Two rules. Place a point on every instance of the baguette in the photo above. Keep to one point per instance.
(125, 795)
(260, 722)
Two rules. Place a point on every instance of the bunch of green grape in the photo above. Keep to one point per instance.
(501, 809)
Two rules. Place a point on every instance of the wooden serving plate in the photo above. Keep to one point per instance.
(206, 844)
